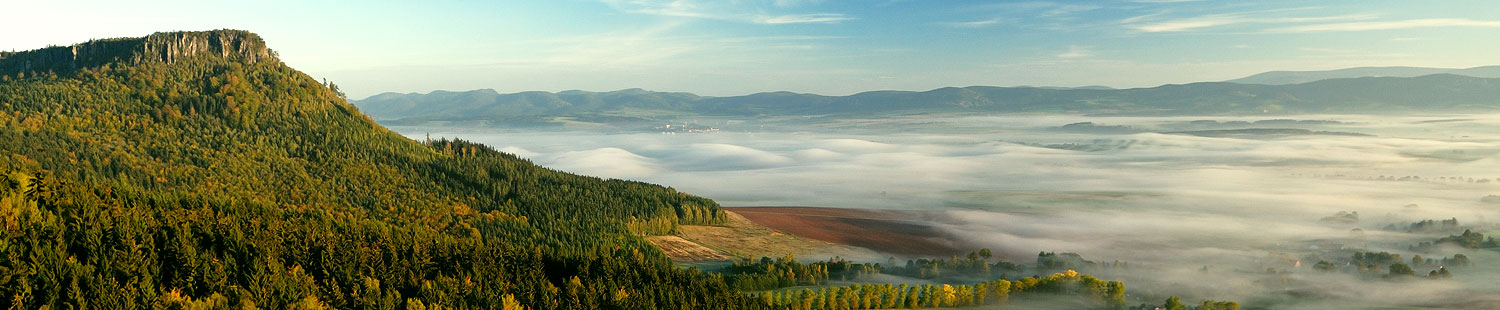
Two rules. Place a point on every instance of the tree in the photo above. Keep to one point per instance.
(1400, 269)
(1324, 266)
(1002, 289)
(1219, 305)
(1116, 295)
(1174, 303)
(913, 300)
(947, 296)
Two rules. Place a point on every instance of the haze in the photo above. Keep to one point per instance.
(1170, 203)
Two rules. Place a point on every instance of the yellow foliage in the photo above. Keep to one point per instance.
(948, 295)
(620, 295)
(509, 303)
(310, 302)
(174, 299)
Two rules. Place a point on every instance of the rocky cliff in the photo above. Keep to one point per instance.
(163, 47)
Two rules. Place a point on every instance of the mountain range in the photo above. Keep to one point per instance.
(1299, 77)
(1435, 93)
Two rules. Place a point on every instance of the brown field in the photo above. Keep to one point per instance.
(740, 237)
(896, 232)
(753, 232)
(681, 250)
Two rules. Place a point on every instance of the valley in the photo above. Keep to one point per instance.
(778, 155)
(1247, 209)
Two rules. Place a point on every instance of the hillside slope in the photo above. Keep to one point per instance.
(195, 169)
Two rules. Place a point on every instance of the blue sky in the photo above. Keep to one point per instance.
(738, 47)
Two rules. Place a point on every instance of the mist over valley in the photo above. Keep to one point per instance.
(1180, 208)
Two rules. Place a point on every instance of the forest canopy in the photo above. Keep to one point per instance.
(195, 168)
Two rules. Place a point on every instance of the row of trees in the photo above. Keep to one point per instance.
(1174, 303)
(1084, 289)
(786, 271)
(1390, 265)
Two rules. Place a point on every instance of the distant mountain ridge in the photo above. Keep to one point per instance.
(1299, 77)
(1371, 95)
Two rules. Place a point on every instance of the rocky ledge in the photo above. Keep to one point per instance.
(162, 47)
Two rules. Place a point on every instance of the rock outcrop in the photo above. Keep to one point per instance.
(162, 47)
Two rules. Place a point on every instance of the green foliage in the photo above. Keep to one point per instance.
(1400, 269)
(1103, 294)
(1174, 303)
(1470, 240)
(1064, 261)
(192, 179)
(1325, 266)
(786, 271)
(1430, 226)
(1218, 305)
(1381, 258)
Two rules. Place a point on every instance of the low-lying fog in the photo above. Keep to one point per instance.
(1132, 189)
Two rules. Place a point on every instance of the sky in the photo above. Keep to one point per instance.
(737, 47)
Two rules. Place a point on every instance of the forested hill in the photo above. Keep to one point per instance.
(1441, 93)
(193, 169)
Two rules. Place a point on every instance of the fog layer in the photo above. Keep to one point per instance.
(1186, 208)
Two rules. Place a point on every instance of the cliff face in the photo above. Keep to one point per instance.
(163, 47)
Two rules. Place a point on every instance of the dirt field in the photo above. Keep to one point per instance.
(681, 250)
(742, 238)
(806, 232)
(898, 232)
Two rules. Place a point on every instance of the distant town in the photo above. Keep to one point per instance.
(672, 129)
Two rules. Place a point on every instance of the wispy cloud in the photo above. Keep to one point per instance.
(975, 24)
(677, 8)
(1189, 24)
(793, 3)
(1139, 18)
(728, 11)
(1069, 9)
(1217, 20)
(822, 18)
(1033, 15)
(1075, 52)
(619, 48)
(1390, 25)
(660, 46)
